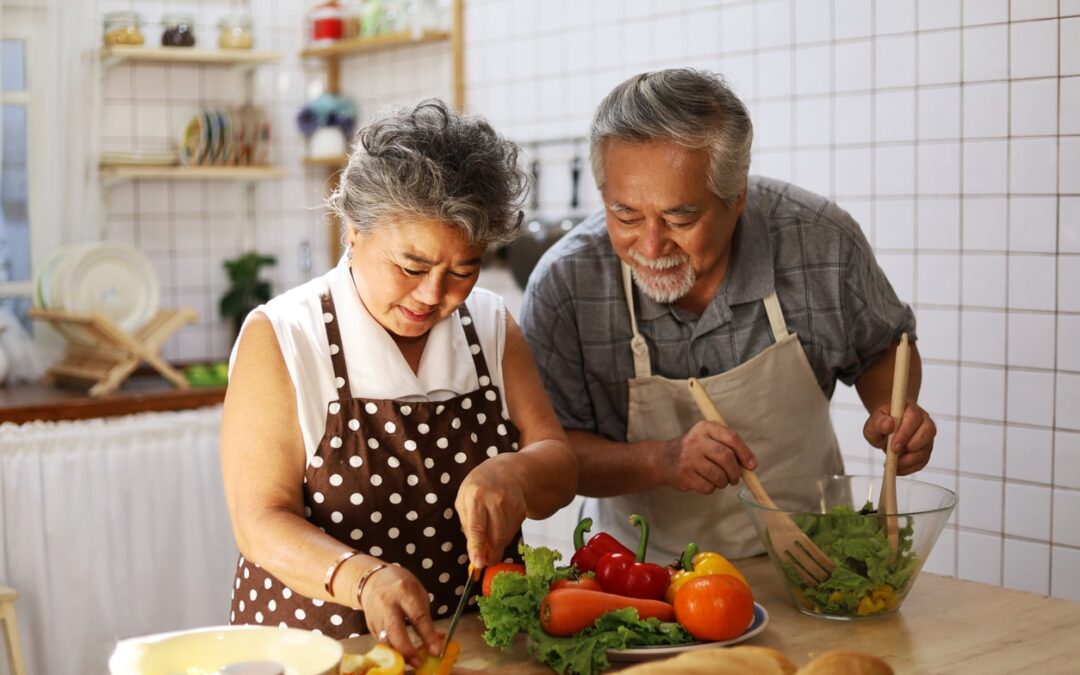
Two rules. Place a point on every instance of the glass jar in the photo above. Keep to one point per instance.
(352, 15)
(234, 32)
(179, 30)
(327, 24)
(122, 28)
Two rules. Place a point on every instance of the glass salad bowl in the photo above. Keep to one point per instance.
(838, 513)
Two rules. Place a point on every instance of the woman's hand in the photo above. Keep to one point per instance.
(491, 504)
(913, 441)
(390, 597)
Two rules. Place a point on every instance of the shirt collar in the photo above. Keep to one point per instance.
(750, 277)
(370, 351)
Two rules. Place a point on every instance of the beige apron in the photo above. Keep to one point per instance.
(773, 401)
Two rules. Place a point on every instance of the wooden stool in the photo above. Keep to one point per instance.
(11, 630)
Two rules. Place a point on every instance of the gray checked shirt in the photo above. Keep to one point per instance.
(812, 252)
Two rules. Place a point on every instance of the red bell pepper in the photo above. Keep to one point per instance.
(587, 555)
(628, 574)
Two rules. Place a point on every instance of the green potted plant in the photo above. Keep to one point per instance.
(246, 291)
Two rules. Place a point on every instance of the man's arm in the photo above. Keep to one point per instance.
(875, 383)
(705, 458)
(914, 440)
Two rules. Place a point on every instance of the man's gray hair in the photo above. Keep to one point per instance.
(432, 162)
(692, 108)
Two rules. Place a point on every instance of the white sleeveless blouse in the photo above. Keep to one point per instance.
(376, 366)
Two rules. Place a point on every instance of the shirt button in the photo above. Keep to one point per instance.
(703, 371)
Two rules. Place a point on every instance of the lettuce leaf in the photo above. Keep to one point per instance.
(513, 608)
(858, 544)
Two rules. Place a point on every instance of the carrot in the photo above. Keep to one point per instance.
(566, 611)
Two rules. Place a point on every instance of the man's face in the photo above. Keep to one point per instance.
(663, 222)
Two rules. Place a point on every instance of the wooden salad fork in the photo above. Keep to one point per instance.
(788, 541)
(887, 501)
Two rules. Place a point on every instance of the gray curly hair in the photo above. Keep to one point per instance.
(692, 108)
(432, 162)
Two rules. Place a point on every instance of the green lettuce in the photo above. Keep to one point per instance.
(513, 608)
(858, 544)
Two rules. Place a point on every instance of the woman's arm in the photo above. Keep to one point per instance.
(535, 481)
(263, 464)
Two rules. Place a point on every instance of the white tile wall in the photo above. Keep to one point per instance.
(949, 128)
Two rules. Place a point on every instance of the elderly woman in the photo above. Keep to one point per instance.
(385, 424)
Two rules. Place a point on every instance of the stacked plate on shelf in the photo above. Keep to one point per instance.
(225, 137)
(108, 278)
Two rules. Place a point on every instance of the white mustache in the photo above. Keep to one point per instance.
(662, 263)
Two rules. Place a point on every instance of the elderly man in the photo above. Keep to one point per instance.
(763, 291)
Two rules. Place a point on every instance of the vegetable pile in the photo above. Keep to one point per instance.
(610, 598)
(514, 607)
(868, 578)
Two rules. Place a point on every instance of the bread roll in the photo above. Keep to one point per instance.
(744, 660)
(846, 662)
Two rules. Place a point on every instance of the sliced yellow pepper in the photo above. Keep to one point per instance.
(433, 665)
(695, 564)
(382, 659)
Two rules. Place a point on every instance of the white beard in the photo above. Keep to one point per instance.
(667, 288)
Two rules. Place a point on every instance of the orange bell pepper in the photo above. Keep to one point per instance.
(380, 660)
(433, 665)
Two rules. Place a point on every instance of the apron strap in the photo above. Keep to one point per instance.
(776, 317)
(479, 362)
(337, 349)
(642, 366)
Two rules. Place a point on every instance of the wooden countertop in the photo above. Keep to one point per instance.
(28, 402)
(944, 626)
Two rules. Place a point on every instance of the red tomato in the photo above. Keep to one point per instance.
(492, 570)
(584, 583)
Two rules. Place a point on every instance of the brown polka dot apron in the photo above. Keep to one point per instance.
(383, 481)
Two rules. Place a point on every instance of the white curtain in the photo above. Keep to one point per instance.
(112, 528)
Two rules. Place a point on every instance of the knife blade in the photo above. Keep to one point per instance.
(474, 574)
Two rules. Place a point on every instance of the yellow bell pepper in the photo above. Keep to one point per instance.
(433, 665)
(695, 564)
(382, 659)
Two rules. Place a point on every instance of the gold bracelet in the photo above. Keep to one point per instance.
(363, 580)
(334, 568)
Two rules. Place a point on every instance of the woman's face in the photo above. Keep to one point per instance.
(413, 272)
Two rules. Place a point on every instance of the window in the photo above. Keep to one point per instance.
(15, 107)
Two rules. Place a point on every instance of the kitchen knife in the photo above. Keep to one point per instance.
(474, 574)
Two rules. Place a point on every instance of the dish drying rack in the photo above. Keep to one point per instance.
(100, 356)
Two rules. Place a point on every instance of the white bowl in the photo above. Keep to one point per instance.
(301, 652)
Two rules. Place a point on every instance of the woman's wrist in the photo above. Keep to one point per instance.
(362, 582)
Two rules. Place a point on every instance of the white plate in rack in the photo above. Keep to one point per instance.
(108, 278)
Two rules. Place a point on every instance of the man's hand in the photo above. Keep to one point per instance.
(914, 440)
(707, 457)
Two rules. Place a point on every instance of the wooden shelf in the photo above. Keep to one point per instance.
(111, 173)
(116, 54)
(387, 41)
(336, 162)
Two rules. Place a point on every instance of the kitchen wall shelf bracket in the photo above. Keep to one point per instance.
(379, 42)
(334, 162)
(100, 356)
(111, 174)
(240, 58)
